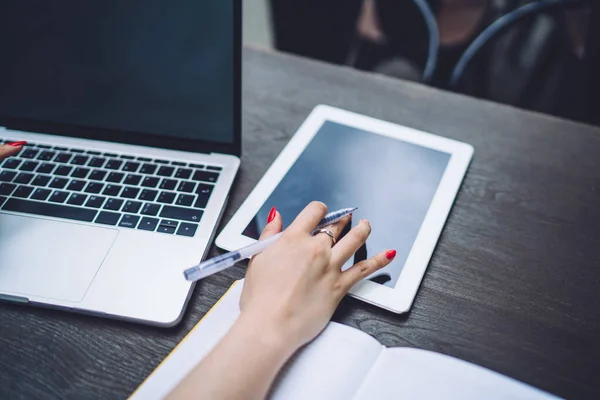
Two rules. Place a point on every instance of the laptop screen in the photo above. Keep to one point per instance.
(152, 67)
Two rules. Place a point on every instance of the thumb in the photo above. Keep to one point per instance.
(8, 150)
(274, 225)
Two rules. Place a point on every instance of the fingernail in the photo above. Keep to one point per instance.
(17, 144)
(390, 254)
(272, 215)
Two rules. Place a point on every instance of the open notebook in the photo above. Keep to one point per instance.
(342, 363)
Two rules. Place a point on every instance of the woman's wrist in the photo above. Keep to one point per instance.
(266, 333)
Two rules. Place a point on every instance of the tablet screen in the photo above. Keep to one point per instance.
(392, 183)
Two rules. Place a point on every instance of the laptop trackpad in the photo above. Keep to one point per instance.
(54, 260)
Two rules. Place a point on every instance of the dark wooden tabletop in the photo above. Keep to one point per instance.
(514, 284)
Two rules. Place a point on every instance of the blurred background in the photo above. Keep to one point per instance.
(539, 55)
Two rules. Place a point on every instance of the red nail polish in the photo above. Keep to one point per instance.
(390, 254)
(272, 215)
(17, 144)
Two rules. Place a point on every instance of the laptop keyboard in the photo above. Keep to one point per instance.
(107, 188)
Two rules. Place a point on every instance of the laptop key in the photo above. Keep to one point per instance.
(46, 155)
(49, 210)
(97, 175)
(29, 166)
(185, 200)
(150, 182)
(95, 201)
(63, 170)
(148, 224)
(94, 187)
(80, 160)
(7, 188)
(77, 199)
(113, 164)
(148, 169)
(2, 200)
(45, 168)
(11, 163)
(115, 177)
(60, 148)
(150, 209)
(58, 196)
(205, 176)
(129, 221)
(41, 180)
(113, 204)
(76, 185)
(180, 213)
(29, 153)
(126, 157)
(145, 159)
(7, 176)
(111, 155)
(148, 195)
(130, 192)
(165, 171)
(178, 163)
(169, 222)
(166, 197)
(23, 178)
(199, 166)
(97, 162)
(40, 194)
(131, 166)
(183, 173)
(112, 190)
(23, 191)
(58, 183)
(108, 218)
(168, 184)
(93, 152)
(187, 187)
(187, 229)
(44, 146)
(213, 168)
(132, 179)
(80, 172)
(132, 206)
(166, 228)
(63, 158)
(203, 191)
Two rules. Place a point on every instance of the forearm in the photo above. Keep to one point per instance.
(242, 366)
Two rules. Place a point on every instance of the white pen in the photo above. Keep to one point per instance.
(227, 260)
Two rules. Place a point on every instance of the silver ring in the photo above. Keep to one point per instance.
(329, 233)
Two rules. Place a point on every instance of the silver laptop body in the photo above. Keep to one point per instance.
(132, 118)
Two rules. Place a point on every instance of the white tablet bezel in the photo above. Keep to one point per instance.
(400, 298)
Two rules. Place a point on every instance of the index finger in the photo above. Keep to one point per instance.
(8, 150)
(309, 218)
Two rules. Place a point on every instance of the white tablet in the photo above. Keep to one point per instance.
(402, 180)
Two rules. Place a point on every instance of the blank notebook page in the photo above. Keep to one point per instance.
(419, 374)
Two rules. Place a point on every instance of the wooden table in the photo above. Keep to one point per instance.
(514, 284)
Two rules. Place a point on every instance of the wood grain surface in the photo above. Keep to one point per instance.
(514, 284)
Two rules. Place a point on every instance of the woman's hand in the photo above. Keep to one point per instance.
(290, 293)
(293, 287)
(11, 149)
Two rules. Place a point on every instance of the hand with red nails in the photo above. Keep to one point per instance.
(290, 293)
(11, 149)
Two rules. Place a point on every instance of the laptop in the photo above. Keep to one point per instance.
(131, 112)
